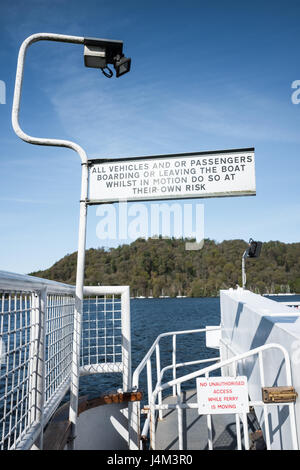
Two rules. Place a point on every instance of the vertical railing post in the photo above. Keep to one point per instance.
(151, 402)
(158, 375)
(238, 431)
(174, 362)
(134, 412)
(246, 432)
(37, 361)
(152, 423)
(149, 379)
(40, 399)
(126, 339)
(244, 270)
(78, 312)
(179, 417)
(262, 384)
(209, 427)
(33, 348)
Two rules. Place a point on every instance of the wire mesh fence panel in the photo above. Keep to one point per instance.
(101, 343)
(29, 380)
(37, 349)
(16, 372)
(58, 342)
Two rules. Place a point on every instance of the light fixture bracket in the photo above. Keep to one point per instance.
(98, 53)
(112, 47)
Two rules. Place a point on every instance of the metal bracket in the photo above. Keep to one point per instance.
(282, 394)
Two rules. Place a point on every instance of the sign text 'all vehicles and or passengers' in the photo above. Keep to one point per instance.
(194, 175)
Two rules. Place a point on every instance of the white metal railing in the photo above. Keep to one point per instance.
(58, 344)
(36, 328)
(106, 339)
(137, 436)
(36, 347)
(235, 363)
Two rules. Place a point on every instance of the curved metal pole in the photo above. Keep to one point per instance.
(83, 208)
(18, 89)
(244, 270)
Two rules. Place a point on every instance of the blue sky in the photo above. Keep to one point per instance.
(205, 76)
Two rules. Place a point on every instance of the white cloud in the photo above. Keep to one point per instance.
(135, 119)
(24, 200)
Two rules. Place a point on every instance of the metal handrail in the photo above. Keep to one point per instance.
(146, 362)
(206, 371)
(142, 364)
(145, 429)
(14, 282)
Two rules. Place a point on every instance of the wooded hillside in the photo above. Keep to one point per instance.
(158, 267)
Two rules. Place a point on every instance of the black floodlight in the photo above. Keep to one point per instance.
(98, 53)
(254, 249)
(122, 65)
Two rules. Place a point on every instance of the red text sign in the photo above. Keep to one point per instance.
(222, 395)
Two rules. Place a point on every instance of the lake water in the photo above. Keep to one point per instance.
(150, 318)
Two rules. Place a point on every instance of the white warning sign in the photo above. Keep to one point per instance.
(197, 175)
(222, 395)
